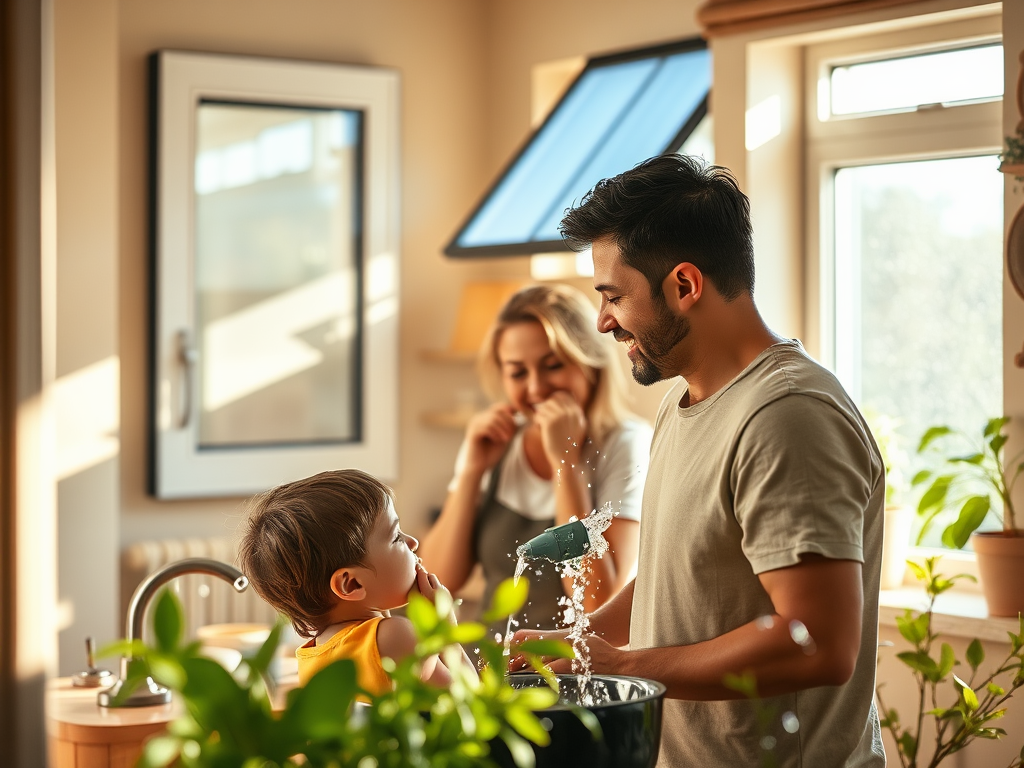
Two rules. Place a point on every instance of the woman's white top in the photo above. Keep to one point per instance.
(615, 473)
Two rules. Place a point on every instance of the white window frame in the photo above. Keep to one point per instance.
(850, 140)
(178, 467)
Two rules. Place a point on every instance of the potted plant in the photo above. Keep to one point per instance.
(974, 481)
(899, 518)
(966, 705)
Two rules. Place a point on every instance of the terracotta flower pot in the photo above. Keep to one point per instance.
(1001, 565)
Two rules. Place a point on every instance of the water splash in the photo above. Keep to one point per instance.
(575, 613)
(520, 567)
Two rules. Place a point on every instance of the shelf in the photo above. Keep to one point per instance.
(448, 356)
(963, 614)
(456, 418)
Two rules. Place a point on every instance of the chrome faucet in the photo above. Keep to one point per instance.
(150, 693)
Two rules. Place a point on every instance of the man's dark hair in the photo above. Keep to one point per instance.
(668, 210)
(298, 534)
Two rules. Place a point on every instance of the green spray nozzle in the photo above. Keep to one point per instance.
(562, 542)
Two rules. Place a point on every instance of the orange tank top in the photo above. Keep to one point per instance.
(357, 642)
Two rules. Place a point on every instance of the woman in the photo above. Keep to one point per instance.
(560, 445)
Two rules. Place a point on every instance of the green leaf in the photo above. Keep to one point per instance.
(935, 496)
(745, 684)
(159, 752)
(995, 690)
(907, 745)
(264, 657)
(527, 725)
(508, 599)
(919, 661)
(972, 514)
(470, 632)
(559, 649)
(521, 751)
(912, 629)
(975, 654)
(931, 434)
(996, 444)
(920, 477)
(968, 698)
(589, 720)
(946, 660)
(538, 666)
(167, 621)
(314, 712)
(995, 426)
(973, 458)
(536, 698)
(919, 573)
(422, 613)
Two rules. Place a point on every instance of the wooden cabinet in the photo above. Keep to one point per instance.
(81, 734)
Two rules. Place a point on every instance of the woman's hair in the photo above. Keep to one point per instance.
(298, 534)
(570, 324)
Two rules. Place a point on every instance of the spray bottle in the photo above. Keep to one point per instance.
(562, 542)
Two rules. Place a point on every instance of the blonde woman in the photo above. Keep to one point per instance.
(558, 444)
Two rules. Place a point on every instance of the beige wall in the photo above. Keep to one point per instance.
(465, 67)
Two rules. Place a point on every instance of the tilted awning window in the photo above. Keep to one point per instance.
(622, 109)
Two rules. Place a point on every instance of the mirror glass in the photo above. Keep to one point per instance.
(277, 274)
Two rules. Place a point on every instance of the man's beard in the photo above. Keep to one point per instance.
(667, 332)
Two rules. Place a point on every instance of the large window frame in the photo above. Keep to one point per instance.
(841, 141)
(833, 142)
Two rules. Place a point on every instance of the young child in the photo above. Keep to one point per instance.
(328, 553)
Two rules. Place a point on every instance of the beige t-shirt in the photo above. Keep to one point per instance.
(776, 464)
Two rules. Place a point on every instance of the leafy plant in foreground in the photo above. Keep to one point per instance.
(331, 722)
(971, 703)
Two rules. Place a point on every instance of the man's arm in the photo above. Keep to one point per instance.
(812, 639)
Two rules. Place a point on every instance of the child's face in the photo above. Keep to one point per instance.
(390, 555)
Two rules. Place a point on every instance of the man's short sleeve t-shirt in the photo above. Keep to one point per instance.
(777, 464)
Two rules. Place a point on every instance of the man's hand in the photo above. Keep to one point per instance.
(604, 658)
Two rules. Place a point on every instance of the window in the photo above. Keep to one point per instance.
(274, 334)
(904, 132)
(622, 109)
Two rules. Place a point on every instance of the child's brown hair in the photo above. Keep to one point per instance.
(298, 534)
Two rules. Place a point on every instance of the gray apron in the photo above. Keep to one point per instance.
(498, 533)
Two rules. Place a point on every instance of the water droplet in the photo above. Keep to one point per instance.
(768, 743)
(203, 590)
(546, 723)
(799, 632)
(790, 722)
(765, 622)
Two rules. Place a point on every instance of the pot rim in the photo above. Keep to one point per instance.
(659, 690)
(1006, 533)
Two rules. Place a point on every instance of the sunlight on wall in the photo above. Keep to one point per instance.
(764, 122)
(249, 350)
(87, 416)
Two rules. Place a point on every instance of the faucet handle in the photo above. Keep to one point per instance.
(92, 677)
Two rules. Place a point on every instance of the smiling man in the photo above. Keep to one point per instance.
(761, 532)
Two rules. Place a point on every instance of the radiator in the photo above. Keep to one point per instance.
(204, 599)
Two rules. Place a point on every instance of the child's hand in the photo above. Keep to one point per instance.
(429, 586)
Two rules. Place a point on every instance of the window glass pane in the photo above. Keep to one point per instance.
(918, 287)
(907, 82)
(277, 274)
(616, 114)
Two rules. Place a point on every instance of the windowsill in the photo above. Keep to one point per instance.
(957, 613)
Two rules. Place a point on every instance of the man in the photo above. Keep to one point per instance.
(761, 531)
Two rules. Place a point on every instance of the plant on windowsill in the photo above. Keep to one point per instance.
(899, 518)
(229, 720)
(977, 482)
(1011, 160)
(975, 700)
